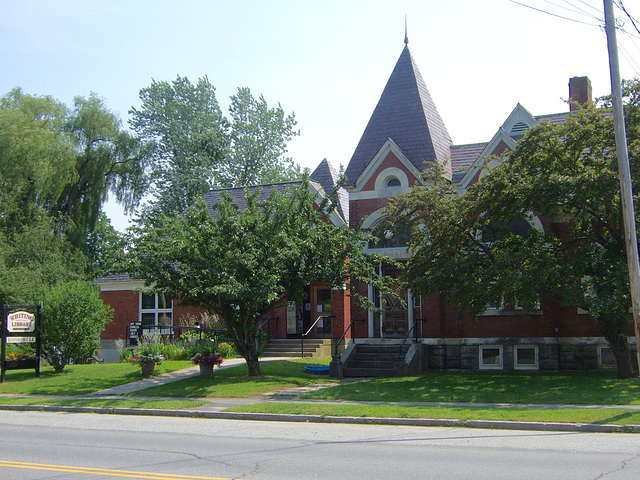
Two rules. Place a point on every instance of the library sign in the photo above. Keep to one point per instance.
(20, 325)
(21, 322)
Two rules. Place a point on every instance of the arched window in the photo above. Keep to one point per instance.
(392, 182)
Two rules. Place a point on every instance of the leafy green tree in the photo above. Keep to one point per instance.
(65, 162)
(36, 158)
(73, 317)
(466, 245)
(198, 149)
(185, 124)
(108, 159)
(35, 257)
(239, 262)
(104, 247)
(259, 137)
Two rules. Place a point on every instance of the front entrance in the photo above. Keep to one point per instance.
(395, 317)
(306, 316)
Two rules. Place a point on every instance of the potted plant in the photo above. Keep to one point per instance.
(206, 361)
(147, 361)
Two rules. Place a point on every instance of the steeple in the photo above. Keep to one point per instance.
(406, 36)
(407, 115)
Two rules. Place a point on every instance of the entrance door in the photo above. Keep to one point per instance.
(394, 318)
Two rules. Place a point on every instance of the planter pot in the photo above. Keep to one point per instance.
(147, 368)
(21, 364)
(206, 370)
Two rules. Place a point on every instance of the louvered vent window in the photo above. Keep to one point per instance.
(518, 129)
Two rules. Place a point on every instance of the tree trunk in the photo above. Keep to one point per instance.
(620, 348)
(251, 357)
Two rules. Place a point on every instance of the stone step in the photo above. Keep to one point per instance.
(367, 372)
(371, 364)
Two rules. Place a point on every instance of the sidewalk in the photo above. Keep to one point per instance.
(214, 407)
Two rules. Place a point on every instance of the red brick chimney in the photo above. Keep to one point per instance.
(579, 91)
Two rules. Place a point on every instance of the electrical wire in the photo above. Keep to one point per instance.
(554, 14)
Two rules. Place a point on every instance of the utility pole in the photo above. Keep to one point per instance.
(628, 214)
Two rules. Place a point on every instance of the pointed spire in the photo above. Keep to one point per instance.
(406, 37)
(407, 115)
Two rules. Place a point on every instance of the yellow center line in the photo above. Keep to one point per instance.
(103, 471)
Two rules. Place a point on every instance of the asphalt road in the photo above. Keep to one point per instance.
(63, 446)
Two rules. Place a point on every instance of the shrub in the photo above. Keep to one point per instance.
(73, 317)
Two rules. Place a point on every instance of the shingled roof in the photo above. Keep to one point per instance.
(327, 176)
(407, 115)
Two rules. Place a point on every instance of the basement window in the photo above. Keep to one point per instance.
(526, 357)
(490, 357)
(606, 358)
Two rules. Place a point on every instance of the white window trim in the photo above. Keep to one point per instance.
(517, 366)
(155, 329)
(484, 366)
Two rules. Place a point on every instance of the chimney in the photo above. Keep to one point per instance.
(579, 91)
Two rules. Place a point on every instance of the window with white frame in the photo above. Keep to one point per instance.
(490, 357)
(156, 310)
(525, 357)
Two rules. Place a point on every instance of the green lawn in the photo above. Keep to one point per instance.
(563, 415)
(235, 383)
(78, 379)
(581, 388)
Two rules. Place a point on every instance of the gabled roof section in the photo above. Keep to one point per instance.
(239, 196)
(407, 115)
(389, 147)
(327, 176)
(518, 121)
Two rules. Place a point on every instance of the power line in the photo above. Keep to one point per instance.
(577, 9)
(555, 15)
(621, 7)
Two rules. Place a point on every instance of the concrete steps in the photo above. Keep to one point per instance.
(374, 360)
(292, 347)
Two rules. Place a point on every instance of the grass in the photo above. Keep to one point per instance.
(579, 388)
(78, 379)
(235, 382)
(561, 415)
(105, 403)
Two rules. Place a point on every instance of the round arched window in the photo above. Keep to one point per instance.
(392, 182)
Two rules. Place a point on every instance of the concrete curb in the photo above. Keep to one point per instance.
(413, 422)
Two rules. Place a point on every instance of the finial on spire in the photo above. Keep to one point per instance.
(406, 37)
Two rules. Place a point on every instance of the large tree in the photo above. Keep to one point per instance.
(472, 247)
(238, 262)
(65, 163)
(185, 124)
(258, 142)
(198, 149)
(37, 159)
(108, 160)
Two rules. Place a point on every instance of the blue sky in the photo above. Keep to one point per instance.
(327, 61)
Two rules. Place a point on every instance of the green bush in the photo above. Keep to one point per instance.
(73, 317)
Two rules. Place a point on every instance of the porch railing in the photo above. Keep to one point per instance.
(346, 330)
(324, 331)
(408, 335)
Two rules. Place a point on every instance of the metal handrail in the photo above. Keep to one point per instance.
(345, 333)
(309, 331)
(267, 320)
(408, 335)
